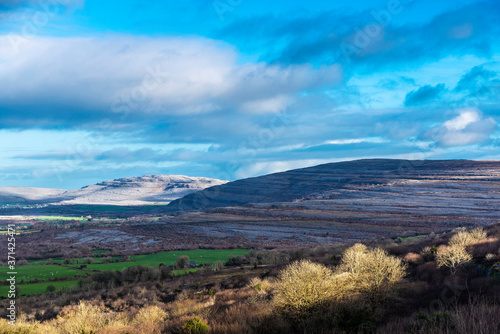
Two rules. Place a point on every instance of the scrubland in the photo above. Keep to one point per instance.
(442, 283)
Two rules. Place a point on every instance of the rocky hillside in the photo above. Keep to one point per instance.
(12, 195)
(125, 191)
(358, 188)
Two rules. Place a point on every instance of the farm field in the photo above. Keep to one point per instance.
(40, 272)
(200, 256)
(184, 272)
(39, 288)
(79, 260)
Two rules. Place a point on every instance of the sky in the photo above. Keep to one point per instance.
(228, 89)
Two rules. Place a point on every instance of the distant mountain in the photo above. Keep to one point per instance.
(125, 191)
(360, 188)
(12, 195)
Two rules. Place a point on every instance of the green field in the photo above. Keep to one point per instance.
(41, 272)
(111, 266)
(38, 288)
(415, 237)
(79, 260)
(100, 252)
(38, 270)
(103, 208)
(184, 272)
(200, 256)
(79, 219)
(50, 218)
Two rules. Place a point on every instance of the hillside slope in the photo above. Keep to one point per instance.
(24, 194)
(124, 191)
(382, 185)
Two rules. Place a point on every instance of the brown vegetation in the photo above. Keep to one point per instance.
(381, 287)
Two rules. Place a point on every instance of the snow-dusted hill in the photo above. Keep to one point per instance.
(125, 191)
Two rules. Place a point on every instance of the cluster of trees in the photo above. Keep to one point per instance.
(304, 287)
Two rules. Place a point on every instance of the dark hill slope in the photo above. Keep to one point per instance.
(374, 178)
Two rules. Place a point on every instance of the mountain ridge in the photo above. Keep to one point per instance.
(123, 191)
(323, 181)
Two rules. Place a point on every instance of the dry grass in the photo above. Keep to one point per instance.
(86, 318)
(190, 307)
(473, 318)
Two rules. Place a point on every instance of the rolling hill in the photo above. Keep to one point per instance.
(375, 189)
(124, 191)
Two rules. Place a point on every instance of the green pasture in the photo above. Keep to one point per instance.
(100, 252)
(415, 237)
(41, 272)
(74, 261)
(200, 256)
(38, 288)
(53, 218)
(184, 272)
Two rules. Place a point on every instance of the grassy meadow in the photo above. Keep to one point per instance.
(39, 270)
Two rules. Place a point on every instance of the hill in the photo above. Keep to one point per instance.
(375, 189)
(124, 191)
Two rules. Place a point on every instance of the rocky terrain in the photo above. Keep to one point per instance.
(14, 195)
(124, 191)
(378, 192)
(465, 182)
(347, 201)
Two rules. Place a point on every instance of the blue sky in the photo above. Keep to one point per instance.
(95, 90)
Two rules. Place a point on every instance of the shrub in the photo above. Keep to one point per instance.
(414, 258)
(149, 319)
(453, 257)
(467, 237)
(194, 326)
(490, 257)
(304, 287)
(439, 321)
(373, 273)
(428, 251)
(478, 234)
(50, 288)
(182, 262)
(82, 318)
(218, 265)
(259, 285)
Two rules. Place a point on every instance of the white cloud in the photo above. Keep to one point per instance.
(467, 128)
(355, 141)
(150, 75)
(272, 105)
(459, 123)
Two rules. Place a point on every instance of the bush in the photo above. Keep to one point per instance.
(218, 265)
(304, 287)
(182, 262)
(82, 318)
(413, 258)
(259, 285)
(194, 326)
(150, 319)
(467, 237)
(453, 257)
(50, 288)
(373, 273)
